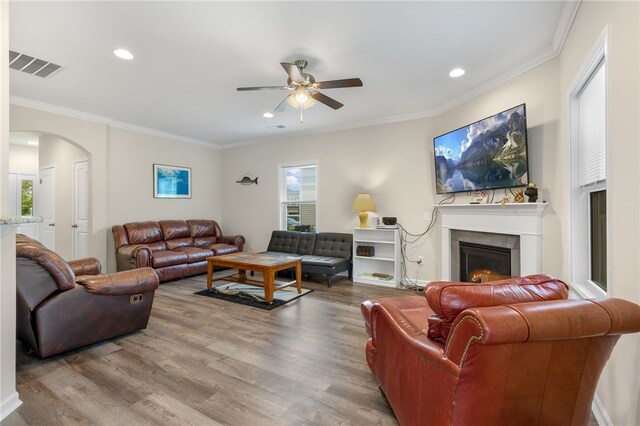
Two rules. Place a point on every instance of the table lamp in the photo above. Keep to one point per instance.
(363, 204)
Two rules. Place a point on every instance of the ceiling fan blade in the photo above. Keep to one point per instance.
(326, 100)
(293, 71)
(244, 89)
(282, 105)
(335, 84)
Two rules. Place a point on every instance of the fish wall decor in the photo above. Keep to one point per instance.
(246, 180)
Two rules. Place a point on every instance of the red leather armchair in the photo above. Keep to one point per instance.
(510, 352)
(65, 305)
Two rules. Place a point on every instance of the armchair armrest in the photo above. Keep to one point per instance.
(236, 240)
(86, 266)
(133, 256)
(121, 283)
(539, 321)
(388, 314)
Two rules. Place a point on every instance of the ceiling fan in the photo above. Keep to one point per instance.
(304, 88)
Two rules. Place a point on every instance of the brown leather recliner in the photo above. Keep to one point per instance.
(508, 352)
(65, 305)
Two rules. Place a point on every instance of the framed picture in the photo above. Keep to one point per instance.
(171, 181)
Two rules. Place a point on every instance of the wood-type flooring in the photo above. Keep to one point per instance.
(206, 361)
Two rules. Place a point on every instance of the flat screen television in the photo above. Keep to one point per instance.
(488, 154)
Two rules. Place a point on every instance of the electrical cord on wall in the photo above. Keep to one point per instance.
(407, 238)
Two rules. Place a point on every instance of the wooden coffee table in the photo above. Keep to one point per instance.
(266, 263)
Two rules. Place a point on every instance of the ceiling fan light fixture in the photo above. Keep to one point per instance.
(301, 99)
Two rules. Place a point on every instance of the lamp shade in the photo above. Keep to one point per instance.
(364, 203)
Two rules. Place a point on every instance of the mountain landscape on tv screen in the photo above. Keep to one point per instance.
(493, 155)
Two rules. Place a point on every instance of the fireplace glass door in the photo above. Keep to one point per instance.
(481, 263)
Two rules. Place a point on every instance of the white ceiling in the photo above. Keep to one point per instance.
(191, 56)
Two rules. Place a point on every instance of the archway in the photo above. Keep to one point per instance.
(62, 169)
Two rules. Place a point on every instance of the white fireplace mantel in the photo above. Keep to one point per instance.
(521, 219)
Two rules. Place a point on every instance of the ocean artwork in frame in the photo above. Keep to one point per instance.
(171, 181)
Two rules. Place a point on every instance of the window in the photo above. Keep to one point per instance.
(26, 198)
(588, 108)
(298, 197)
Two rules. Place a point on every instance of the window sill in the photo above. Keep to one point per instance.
(586, 290)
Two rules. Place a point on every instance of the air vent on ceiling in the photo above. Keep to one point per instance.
(31, 65)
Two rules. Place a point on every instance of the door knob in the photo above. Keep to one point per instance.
(74, 226)
(52, 224)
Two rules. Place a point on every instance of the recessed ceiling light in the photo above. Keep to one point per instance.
(123, 54)
(34, 143)
(457, 72)
(267, 115)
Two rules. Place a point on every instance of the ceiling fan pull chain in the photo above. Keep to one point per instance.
(300, 113)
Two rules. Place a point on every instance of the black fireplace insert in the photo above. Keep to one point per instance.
(478, 260)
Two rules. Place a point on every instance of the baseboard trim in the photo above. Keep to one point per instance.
(9, 405)
(600, 413)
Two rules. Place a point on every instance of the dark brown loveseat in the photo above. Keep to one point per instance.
(173, 248)
(64, 305)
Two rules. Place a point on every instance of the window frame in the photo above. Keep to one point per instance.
(282, 203)
(579, 200)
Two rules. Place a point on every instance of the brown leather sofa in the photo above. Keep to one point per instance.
(508, 352)
(66, 305)
(173, 248)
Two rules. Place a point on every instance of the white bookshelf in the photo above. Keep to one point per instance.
(387, 259)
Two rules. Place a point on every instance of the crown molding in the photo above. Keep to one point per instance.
(568, 14)
(68, 112)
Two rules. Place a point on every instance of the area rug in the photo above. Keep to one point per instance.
(253, 296)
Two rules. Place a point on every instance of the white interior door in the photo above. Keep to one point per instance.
(80, 226)
(23, 196)
(47, 207)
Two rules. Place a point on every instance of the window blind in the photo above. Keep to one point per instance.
(592, 129)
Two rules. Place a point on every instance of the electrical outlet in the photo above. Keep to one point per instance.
(420, 259)
(427, 217)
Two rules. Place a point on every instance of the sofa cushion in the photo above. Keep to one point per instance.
(204, 241)
(204, 228)
(284, 241)
(157, 246)
(160, 259)
(143, 232)
(326, 261)
(219, 249)
(306, 243)
(449, 299)
(333, 244)
(174, 229)
(195, 254)
(179, 242)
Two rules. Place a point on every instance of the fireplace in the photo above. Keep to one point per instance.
(480, 263)
(485, 255)
(516, 226)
